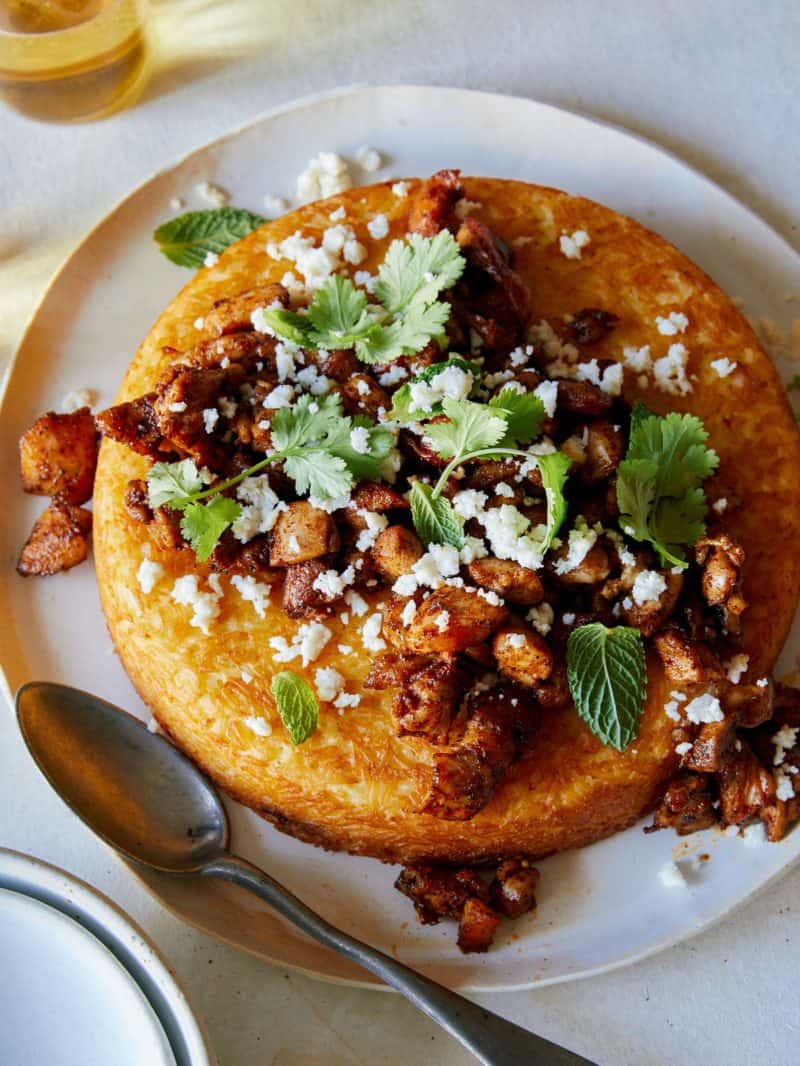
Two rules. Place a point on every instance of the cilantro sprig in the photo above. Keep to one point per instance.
(311, 439)
(407, 316)
(659, 491)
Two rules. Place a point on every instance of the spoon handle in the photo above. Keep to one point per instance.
(491, 1039)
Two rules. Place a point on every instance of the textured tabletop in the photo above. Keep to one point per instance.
(714, 81)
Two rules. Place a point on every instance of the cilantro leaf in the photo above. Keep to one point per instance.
(471, 427)
(290, 326)
(401, 400)
(367, 464)
(339, 314)
(187, 239)
(607, 677)
(297, 705)
(317, 473)
(554, 468)
(202, 524)
(659, 483)
(173, 483)
(418, 270)
(434, 518)
(404, 336)
(523, 412)
(307, 422)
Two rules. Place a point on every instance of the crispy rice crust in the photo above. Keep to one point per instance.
(354, 785)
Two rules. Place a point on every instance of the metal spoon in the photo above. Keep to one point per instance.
(142, 796)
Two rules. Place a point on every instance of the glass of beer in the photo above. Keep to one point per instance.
(71, 60)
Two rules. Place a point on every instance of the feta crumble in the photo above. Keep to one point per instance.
(400, 189)
(258, 725)
(580, 542)
(720, 506)
(705, 708)
(252, 591)
(784, 740)
(547, 392)
(572, 244)
(205, 604)
(213, 194)
(307, 644)
(378, 227)
(648, 587)
(328, 683)
(541, 618)
(675, 322)
(671, 876)
(359, 440)
(210, 418)
(148, 575)
(275, 205)
(723, 366)
(370, 633)
(210, 259)
(684, 748)
(669, 371)
(177, 408)
(737, 667)
(369, 159)
(325, 175)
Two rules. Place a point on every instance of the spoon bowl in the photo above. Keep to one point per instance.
(130, 786)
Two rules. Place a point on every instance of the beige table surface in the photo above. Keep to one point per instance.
(715, 81)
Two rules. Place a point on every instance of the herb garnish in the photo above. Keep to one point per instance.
(607, 677)
(658, 483)
(188, 239)
(297, 705)
(311, 439)
(408, 315)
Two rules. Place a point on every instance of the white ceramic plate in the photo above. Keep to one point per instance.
(79, 984)
(600, 907)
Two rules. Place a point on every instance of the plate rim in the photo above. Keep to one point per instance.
(286, 108)
(118, 934)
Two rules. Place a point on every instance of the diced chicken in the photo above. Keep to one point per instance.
(59, 540)
(523, 656)
(431, 691)
(391, 669)
(591, 570)
(395, 551)
(233, 315)
(302, 532)
(246, 349)
(751, 705)
(681, 657)
(136, 501)
(58, 456)
(508, 579)
(721, 559)
(583, 398)
(713, 742)
(652, 615)
(513, 890)
(745, 786)
(590, 325)
(553, 694)
(340, 365)
(250, 559)
(477, 927)
(432, 207)
(183, 395)
(165, 529)
(373, 496)
(300, 597)
(362, 395)
(452, 619)
(687, 807)
(135, 425)
(484, 252)
(439, 892)
(605, 449)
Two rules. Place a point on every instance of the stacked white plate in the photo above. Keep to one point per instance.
(79, 984)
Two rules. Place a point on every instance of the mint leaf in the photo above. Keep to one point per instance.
(434, 518)
(554, 469)
(297, 705)
(401, 400)
(202, 524)
(523, 412)
(419, 269)
(187, 239)
(607, 677)
(316, 473)
(659, 483)
(172, 483)
(472, 427)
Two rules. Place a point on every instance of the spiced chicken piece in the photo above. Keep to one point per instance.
(590, 325)
(432, 207)
(513, 890)
(234, 314)
(680, 655)
(484, 252)
(58, 456)
(452, 619)
(687, 807)
(508, 579)
(711, 745)
(302, 532)
(361, 395)
(184, 394)
(722, 559)
(745, 786)
(135, 425)
(477, 927)
(523, 656)
(650, 616)
(136, 501)
(439, 892)
(431, 690)
(605, 450)
(583, 398)
(395, 551)
(301, 596)
(591, 570)
(58, 541)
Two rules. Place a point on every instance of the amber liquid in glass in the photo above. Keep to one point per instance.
(67, 60)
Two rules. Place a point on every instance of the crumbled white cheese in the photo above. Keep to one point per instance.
(720, 506)
(316, 264)
(568, 618)
(520, 356)
(359, 440)
(346, 699)
(671, 710)
(73, 401)
(148, 575)
(441, 621)
(210, 259)
(356, 603)
(400, 189)
(469, 503)
(762, 682)
(338, 215)
(261, 508)
(177, 203)
(258, 725)
(571, 244)
(679, 697)
(246, 676)
(275, 205)
(332, 584)
(177, 408)
(370, 633)
(213, 194)
(205, 605)
(408, 612)
(325, 175)
(547, 392)
(637, 359)
(669, 371)
(502, 488)
(369, 159)
(328, 683)
(684, 748)
(378, 227)
(580, 542)
(784, 786)
(280, 396)
(671, 876)
(648, 587)
(393, 376)
(285, 360)
(541, 618)
(675, 322)
(784, 740)
(452, 382)
(608, 380)
(252, 591)
(736, 668)
(210, 418)
(227, 407)
(375, 523)
(723, 366)
(307, 643)
(199, 322)
(705, 708)
(516, 640)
